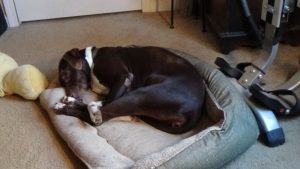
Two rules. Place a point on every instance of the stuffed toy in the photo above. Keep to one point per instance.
(26, 80)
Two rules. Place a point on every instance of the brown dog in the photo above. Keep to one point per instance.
(152, 83)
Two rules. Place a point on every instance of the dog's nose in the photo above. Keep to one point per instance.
(78, 98)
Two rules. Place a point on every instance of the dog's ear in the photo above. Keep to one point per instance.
(74, 58)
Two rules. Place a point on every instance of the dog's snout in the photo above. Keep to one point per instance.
(77, 97)
(75, 82)
(75, 91)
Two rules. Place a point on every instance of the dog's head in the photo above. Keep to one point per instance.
(74, 73)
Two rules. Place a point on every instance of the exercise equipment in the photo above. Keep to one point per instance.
(266, 104)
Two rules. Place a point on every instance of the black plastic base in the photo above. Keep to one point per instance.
(275, 137)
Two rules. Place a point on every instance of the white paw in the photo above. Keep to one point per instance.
(95, 113)
(68, 99)
(128, 80)
(58, 106)
(130, 76)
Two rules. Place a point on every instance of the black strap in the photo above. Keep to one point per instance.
(227, 69)
(272, 100)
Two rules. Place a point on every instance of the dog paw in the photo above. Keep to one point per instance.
(58, 106)
(68, 100)
(130, 76)
(128, 80)
(95, 112)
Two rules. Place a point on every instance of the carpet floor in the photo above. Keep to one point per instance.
(29, 141)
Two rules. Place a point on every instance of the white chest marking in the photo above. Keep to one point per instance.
(89, 56)
(95, 84)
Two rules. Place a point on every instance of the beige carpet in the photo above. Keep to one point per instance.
(29, 141)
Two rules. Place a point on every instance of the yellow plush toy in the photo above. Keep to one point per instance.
(26, 80)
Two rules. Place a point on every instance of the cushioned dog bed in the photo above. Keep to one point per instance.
(226, 129)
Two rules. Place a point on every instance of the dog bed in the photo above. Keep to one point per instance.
(227, 128)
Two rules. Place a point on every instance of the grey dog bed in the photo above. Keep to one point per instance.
(226, 129)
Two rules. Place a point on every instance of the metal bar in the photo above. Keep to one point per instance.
(172, 14)
(264, 60)
(292, 83)
(260, 65)
(203, 15)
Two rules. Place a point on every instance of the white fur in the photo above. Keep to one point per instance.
(59, 105)
(127, 82)
(95, 113)
(68, 99)
(89, 56)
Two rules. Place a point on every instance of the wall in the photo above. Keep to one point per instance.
(156, 5)
(147, 6)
